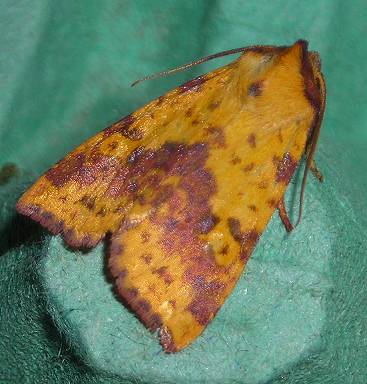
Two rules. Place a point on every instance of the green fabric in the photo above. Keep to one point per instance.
(298, 314)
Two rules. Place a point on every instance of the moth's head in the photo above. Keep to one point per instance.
(311, 71)
(315, 60)
(260, 63)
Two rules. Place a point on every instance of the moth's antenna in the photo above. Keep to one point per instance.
(193, 63)
(313, 143)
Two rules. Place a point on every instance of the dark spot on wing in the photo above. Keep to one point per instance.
(216, 136)
(272, 203)
(124, 127)
(144, 305)
(207, 223)
(160, 101)
(252, 207)
(255, 89)
(213, 105)
(113, 145)
(154, 321)
(248, 167)
(224, 250)
(247, 240)
(147, 258)
(263, 184)
(285, 169)
(280, 136)
(102, 212)
(251, 139)
(188, 113)
(132, 293)
(164, 274)
(145, 236)
(236, 160)
(235, 228)
(88, 202)
(65, 169)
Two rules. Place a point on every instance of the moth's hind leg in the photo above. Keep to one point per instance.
(284, 216)
(316, 172)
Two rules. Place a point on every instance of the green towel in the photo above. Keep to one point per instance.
(297, 315)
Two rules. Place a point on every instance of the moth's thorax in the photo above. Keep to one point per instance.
(254, 64)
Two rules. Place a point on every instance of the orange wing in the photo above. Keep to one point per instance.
(187, 184)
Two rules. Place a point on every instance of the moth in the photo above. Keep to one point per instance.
(184, 186)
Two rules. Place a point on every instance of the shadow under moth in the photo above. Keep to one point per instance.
(185, 185)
